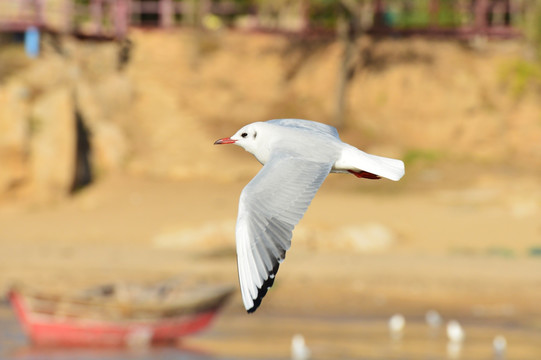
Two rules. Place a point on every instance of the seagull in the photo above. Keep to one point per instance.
(299, 350)
(433, 319)
(397, 323)
(499, 345)
(297, 155)
(455, 332)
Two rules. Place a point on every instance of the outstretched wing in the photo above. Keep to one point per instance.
(270, 207)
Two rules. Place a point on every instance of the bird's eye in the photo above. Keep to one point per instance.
(244, 135)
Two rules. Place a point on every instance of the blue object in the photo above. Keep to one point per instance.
(31, 42)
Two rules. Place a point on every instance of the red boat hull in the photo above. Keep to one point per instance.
(46, 330)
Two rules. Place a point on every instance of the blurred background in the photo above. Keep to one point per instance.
(108, 173)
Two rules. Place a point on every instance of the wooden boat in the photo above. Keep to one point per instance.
(118, 315)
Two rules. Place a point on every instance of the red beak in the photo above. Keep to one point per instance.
(224, 141)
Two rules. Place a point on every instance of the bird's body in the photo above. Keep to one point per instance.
(320, 143)
(297, 156)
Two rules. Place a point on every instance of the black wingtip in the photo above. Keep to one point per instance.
(262, 291)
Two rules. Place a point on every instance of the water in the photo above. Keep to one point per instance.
(82, 354)
(240, 336)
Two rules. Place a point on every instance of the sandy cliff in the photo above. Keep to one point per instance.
(148, 108)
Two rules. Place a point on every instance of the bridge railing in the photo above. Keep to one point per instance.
(112, 18)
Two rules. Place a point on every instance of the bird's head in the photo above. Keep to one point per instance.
(249, 137)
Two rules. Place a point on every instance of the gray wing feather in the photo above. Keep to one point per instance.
(307, 125)
(270, 207)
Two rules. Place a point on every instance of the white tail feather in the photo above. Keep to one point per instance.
(357, 160)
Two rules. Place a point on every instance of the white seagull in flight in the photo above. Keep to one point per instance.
(297, 156)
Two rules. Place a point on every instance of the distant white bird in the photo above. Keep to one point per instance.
(397, 324)
(499, 345)
(455, 332)
(299, 350)
(433, 319)
(297, 156)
